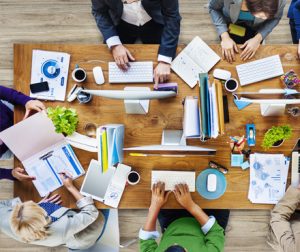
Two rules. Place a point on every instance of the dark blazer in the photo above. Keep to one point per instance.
(108, 14)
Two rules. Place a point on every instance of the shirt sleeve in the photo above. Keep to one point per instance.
(13, 96)
(6, 174)
(112, 41)
(215, 8)
(208, 225)
(215, 239)
(147, 235)
(165, 59)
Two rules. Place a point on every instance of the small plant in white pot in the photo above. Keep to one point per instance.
(275, 136)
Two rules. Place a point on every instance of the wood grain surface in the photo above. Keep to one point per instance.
(164, 114)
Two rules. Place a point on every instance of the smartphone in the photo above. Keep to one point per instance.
(39, 87)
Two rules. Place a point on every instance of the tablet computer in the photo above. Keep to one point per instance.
(95, 183)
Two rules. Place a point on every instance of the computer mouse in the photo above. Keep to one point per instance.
(221, 74)
(211, 182)
(98, 75)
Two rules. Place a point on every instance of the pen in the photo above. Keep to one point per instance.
(47, 98)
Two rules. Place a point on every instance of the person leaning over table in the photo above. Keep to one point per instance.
(284, 231)
(259, 17)
(152, 21)
(294, 16)
(7, 120)
(189, 230)
(48, 224)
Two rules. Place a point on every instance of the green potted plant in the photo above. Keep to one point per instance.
(64, 119)
(275, 136)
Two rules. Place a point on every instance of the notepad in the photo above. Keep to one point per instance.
(197, 57)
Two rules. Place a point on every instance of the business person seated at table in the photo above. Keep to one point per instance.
(151, 21)
(7, 119)
(294, 16)
(189, 230)
(257, 17)
(284, 232)
(49, 224)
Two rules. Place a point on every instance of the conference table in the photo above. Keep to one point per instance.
(164, 114)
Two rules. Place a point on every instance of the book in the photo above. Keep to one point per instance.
(197, 57)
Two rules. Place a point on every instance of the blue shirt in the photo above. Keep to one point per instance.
(294, 13)
(246, 16)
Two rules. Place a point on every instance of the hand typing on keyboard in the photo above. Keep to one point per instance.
(161, 73)
(250, 47)
(122, 56)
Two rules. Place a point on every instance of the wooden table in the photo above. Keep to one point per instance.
(164, 114)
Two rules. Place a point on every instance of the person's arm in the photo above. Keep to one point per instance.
(13, 96)
(6, 174)
(214, 234)
(100, 11)
(215, 8)
(266, 27)
(280, 216)
(121, 54)
(296, 14)
(148, 233)
(88, 212)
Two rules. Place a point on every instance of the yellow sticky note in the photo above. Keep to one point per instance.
(237, 30)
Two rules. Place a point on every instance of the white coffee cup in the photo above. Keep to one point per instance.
(231, 85)
(78, 74)
(133, 178)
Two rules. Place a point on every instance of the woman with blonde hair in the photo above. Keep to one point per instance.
(48, 224)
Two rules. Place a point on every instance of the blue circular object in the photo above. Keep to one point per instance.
(51, 69)
(201, 184)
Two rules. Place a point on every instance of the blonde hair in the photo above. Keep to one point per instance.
(29, 221)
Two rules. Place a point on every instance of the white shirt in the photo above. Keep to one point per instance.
(135, 14)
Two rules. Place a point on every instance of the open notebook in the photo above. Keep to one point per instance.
(43, 152)
(197, 57)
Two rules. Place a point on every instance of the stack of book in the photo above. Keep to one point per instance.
(110, 139)
(204, 115)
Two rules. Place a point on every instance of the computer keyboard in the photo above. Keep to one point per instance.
(259, 70)
(172, 178)
(138, 72)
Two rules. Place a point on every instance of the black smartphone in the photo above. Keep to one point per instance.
(39, 87)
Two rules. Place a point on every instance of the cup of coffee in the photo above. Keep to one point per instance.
(231, 85)
(78, 74)
(133, 178)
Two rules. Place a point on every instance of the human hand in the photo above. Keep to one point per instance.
(55, 199)
(19, 174)
(229, 47)
(250, 47)
(122, 56)
(33, 105)
(183, 196)
(159, 196)
(161, 73)
(66, 178)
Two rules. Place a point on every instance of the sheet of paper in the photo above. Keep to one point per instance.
(268, 175)
(47, 165)
(52, 67)
(116, 187)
